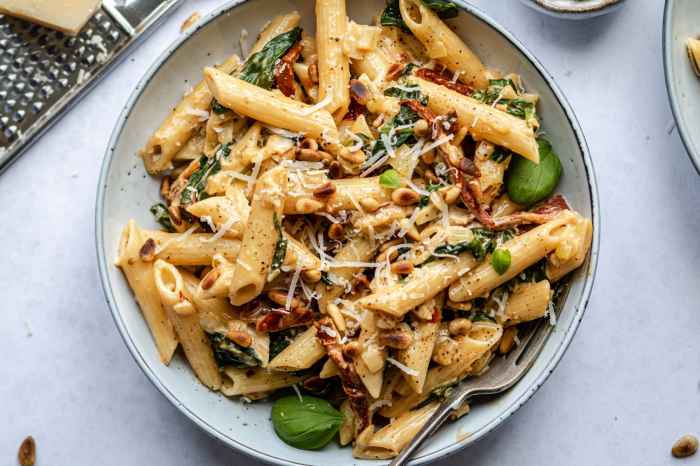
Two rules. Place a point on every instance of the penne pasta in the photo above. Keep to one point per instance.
(525, 250)
(270, 108)
(333, 67)
(139, 274)
(302, 353)
(179, 126)
(185, 319)
(258, 244)
(443, 44)
(482, 121)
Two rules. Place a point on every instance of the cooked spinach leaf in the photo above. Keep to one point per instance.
(500, 154)
(431, 188)
(483, 243)
(280, 340)
(162, 216)
(406, 116)
(407, 93)
(391, 16)
(259, 69)
(228, 353)
(280, 247)
(195, 189)
(217, 108)
(521, 108)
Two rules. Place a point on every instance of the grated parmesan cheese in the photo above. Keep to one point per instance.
(292, 288)
(176, 239)
(380, 161)
(316, 107)
(402, 367)
(438, 142)
(224, 228)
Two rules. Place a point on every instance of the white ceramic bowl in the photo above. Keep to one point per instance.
(125, 191)
(575, 9)
(682, 20)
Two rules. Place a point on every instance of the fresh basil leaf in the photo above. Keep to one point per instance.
(259, 69)
(196, 184)
(228, 353)
(500, 260)
(280, 247)
(391, 16)
(390, 179)
(306, 422)
(162, 216)
(527, 182)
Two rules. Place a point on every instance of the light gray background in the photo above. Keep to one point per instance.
(626, 389)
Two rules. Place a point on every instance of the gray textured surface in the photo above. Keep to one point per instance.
(628, 386)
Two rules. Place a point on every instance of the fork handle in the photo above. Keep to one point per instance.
(436, 420)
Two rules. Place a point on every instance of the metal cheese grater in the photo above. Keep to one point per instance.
(44, 72)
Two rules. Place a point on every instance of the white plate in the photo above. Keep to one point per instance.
(125, 191)
(575, 9)
(682, 20)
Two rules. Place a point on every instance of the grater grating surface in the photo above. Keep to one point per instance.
(40, 66)
(43, 72)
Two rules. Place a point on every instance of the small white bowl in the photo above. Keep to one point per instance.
(681, 21)
(574, 9)
(125, 191)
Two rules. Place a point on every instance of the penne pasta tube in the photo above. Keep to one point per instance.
(139, 274)
(443, 44)
(421, 285)
(195, 249)
(278, 25)
(482, 121)
(185, 319)
(346, 432)
(333, 66)
(528, 301)
(350, 193)
(358, 249)
(396, 435)
(258, 244)
(254, 380)
(525, 250)
(482, 337)
(179, 126)
(229, 212)
(370, 363)
(302, 353)
(270, 108)
(418, 355)
(578, 244)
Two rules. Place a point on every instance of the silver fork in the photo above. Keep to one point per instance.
(503, 374)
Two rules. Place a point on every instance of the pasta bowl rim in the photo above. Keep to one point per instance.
(104, 262)
(667, 40)
(584, 11)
